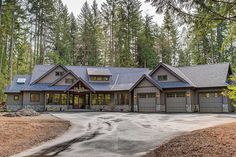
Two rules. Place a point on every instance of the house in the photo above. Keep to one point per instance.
(83, 88)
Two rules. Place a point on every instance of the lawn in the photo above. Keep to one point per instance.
(219, 141)
(21, 133)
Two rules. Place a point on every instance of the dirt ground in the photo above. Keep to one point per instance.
(21, 133)
(219, 141)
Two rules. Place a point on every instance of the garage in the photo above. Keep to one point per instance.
(210, 102)
(147, 102)
(176, 102)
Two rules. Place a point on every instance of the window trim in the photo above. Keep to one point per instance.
(35, 94)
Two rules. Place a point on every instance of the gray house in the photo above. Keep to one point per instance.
(83, 88)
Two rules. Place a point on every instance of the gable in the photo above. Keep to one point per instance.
(51, 77)
(145, 83)
(163, 71)
(63, 81)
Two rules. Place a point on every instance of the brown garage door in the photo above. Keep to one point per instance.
(176, 102)
(147, 102)
(210, 102)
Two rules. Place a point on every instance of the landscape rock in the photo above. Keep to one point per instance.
(27, 112)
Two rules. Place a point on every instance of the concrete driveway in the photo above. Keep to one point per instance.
(121, 134)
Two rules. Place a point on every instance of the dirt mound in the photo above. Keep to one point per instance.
(27, 112)
(13, 114)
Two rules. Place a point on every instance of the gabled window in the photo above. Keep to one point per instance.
(59, 73)
(162, 77)
(69, 81)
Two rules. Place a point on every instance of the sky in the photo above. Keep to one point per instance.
(76, 5)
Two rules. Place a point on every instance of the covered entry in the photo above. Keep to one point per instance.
(176, 102)
(211, 102)
(147, 102)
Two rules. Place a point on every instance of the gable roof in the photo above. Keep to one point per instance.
(37, 70)
(81, 80)
(174, 71)
(210, 75)
(60, 78)
(147, 78)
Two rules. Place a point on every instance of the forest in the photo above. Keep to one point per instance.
(115, 33)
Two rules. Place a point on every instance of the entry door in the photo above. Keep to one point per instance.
(81, 101)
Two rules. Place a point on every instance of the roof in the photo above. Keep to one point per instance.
(211, 75)
(16, 87)
(123, 79)
(99, 71)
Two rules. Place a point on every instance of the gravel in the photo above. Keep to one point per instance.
(219, 141)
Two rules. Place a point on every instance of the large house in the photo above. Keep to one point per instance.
(83, 88)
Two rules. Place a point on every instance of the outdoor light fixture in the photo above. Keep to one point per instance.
(188, 94)
(157, 95)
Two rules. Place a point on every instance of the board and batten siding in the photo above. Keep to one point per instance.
(162, 71)
(63, 81)
(51, 77)
(145, 87)
(38, 106)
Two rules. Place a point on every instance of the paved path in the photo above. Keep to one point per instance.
(121, 134)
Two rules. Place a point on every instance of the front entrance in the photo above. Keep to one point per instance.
(81, 101)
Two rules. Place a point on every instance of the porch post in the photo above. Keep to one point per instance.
(90, 100)
(68, 100)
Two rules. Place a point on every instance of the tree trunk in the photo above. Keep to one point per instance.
(11, 44)
(1, 38)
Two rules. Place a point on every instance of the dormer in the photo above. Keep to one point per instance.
(99, 75)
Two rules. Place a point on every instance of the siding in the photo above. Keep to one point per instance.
(10, 99)
(62, 82)
(145, 87)
(26, 100)
(162, 71)
(51, 76)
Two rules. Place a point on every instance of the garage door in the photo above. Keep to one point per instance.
(176, 102)
(147, 102)
(210, 102)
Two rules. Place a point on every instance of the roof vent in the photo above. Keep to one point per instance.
(21, 80)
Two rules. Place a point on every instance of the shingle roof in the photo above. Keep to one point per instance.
(211, 75)
(99, 71)
(15, 87)
(123, 79)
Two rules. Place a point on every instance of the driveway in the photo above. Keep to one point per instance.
(95, 134)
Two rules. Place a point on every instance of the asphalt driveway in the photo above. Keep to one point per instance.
(121, 134)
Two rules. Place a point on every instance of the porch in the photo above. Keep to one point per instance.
(82, 97)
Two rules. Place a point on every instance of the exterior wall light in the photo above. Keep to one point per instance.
(157, 95)
(188, 94)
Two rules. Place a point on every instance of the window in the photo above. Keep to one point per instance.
(101, 99)
(142, 95)
(162, 77)
(180, 94)
(122, 99)
(170, 95)
(99, 78)
(94, 99)
(151, 95)
(16, 97)
(34, 97)
(107, 99)
(50, 99)
(57, 99)
(69, 81)
(63, 99)
(71, 99)
(59, 73)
